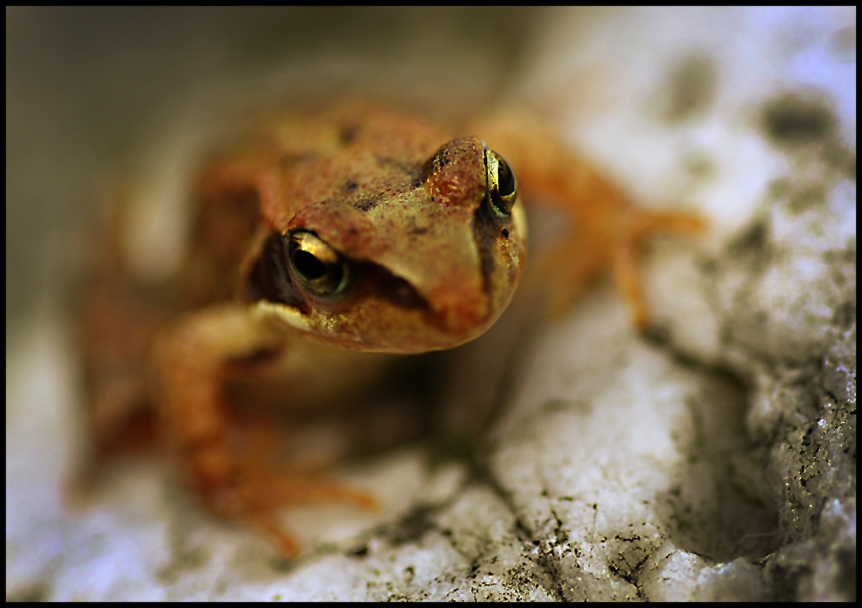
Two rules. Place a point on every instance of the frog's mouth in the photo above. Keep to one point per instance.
(382, 312)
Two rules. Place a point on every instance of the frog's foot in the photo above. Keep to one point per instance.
(254, 495)
(227, 465)
(577, 262)
(626, 248)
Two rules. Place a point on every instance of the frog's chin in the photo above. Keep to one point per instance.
(400, 331)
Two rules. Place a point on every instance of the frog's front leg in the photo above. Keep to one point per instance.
(606, 229)
(194, 358)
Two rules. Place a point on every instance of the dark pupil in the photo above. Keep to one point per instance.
(505, 178)
(309, 266)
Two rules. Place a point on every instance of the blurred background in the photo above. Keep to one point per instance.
(704, 107)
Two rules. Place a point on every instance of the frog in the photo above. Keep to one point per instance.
(327, 241)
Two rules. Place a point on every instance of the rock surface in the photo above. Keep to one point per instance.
(716, 461)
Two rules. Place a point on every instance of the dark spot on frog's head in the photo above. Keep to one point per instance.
(413, 229)
(350, 186)
(794, 119)
(690, 88)
(425, 170)
(505, 233)
(417, 174)
(364, 204)
(291, 159)
(348, 134)
(437, 161)
(403, 295)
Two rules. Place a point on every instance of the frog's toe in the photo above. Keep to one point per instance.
(626, 252)
(258, 497)
(289, 490)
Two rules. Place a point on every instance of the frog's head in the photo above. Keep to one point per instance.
(420, 256)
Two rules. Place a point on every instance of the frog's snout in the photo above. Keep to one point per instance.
(458, 311)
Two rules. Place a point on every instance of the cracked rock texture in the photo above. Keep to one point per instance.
(713, 460)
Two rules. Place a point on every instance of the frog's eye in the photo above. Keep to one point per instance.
(317, 266)
(502, 185)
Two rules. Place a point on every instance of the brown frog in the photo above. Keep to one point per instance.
(325, 242)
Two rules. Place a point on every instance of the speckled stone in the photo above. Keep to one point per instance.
(715, 460)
